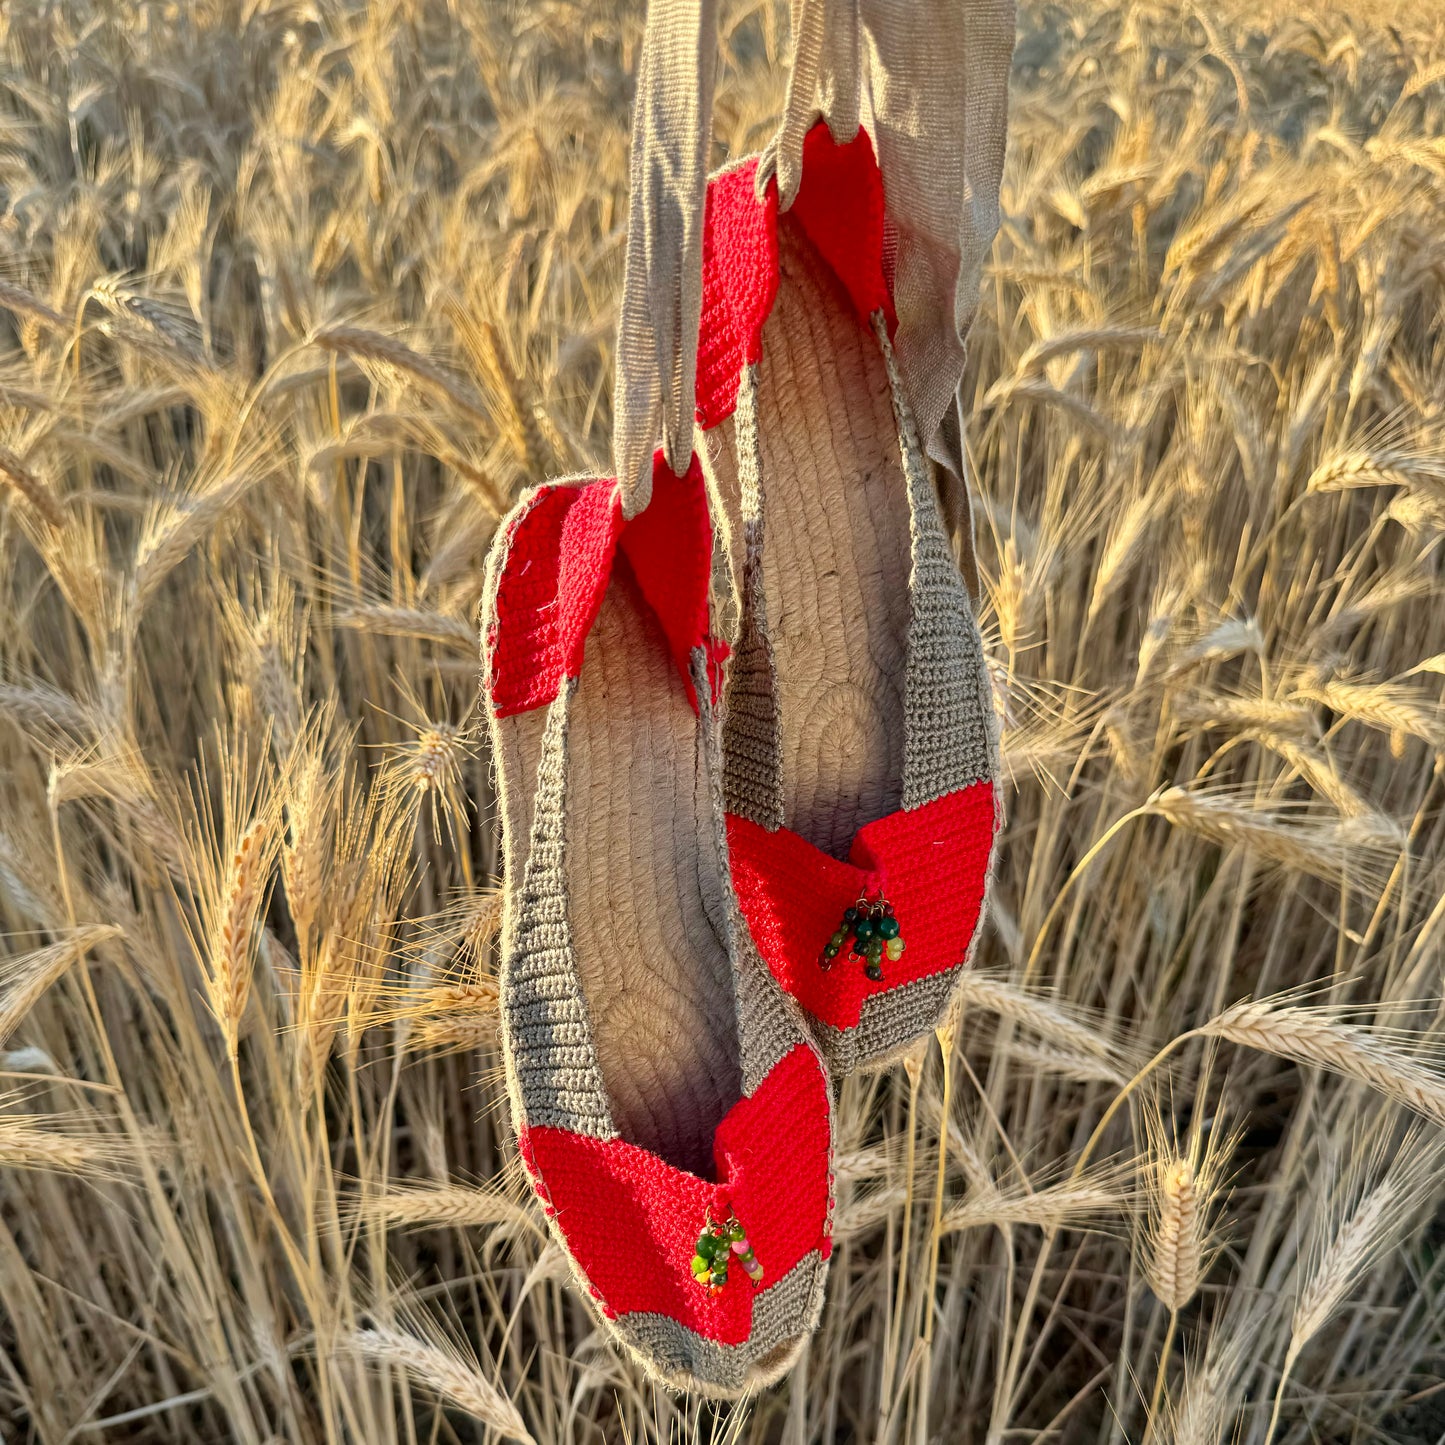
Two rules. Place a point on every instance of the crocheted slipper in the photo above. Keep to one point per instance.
(859, 735)
(675, 1118)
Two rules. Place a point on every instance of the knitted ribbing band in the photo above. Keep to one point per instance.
(891, 1022)
(948, 716)
(768, 1020)
(752, 736)
(548, 1032)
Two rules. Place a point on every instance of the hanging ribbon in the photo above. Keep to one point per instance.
(929, 80)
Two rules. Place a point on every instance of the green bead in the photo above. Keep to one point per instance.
(838, 939)
(719, 1276)
(850, 916)
(875, 948)
(874, 972)
(864, 931)
(699, 1265)
(707, 1247)
(887, 927)
(895, 948)
(736, 1231)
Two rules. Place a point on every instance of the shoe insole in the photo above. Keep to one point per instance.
(645, 886)
(835, 558)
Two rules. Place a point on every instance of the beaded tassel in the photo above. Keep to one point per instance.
(710, 1263)
(874, 930)
(716, 1246)
(738, 1238)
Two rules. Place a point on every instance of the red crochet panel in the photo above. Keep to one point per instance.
(840, 207)
(669, 544)
(739, 282)
(522, 639)
(589, 543)
(559, 562)
(932, 862)
(632, 1221)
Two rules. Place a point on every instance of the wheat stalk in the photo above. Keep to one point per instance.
(1319, 774)
(147, 320)
(455, 1032)
(387, 621)
(1211, 1397)
(1277, 717)
(17, 475)
(26, 1143)
(47, 712)
(1031, 1011)
(1182, 1188)
(364, 345)
(1343, 1263)
(448, 1206)
(1350, 470)
(482, 920)
(1176, 1257)
(435, 761)
(478, 996)
(309, 801)
(1061, 1206)
(27, 978)
(1310, 1036)
(1423, 78)
(1341, 1257)
(173, 530)
(1323, 847)
(24, 303)
(326, 979)
(1065, 1063)
(444, 1371)
(233, 954)
(1379, 705)
(1096, 338)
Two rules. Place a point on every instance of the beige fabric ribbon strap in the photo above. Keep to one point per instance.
(929, 80)
(653, 399)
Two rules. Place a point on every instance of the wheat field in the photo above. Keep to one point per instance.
(294, 296)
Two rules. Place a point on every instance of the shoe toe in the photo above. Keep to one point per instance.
(784, 1316)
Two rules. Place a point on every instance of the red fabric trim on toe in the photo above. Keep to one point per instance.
(559, 562)
(841, 208)
(932, 862)
(632, 1221)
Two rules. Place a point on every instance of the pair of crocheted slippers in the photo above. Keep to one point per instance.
(702, 929)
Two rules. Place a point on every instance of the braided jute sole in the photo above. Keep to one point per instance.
(627, 1021)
